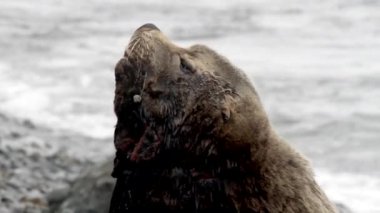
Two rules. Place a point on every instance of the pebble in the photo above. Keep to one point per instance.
(137, 98)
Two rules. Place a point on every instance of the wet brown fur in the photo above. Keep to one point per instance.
(200, 140)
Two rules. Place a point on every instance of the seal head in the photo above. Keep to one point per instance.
(183, 92)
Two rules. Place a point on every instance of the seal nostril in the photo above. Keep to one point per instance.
(148, 26)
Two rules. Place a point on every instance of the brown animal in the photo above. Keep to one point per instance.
(192, 136)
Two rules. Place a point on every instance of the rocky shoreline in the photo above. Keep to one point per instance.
(38, 164)
(44, 170)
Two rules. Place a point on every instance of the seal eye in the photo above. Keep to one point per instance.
(186, 67)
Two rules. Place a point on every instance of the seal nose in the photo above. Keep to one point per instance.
(148, 26)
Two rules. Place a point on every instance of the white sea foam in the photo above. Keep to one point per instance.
(359, 192)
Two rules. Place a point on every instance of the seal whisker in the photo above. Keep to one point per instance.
(134, 44)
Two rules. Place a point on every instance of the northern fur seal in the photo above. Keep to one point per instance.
(192, 136)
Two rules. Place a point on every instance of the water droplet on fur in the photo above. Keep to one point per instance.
(137, 98)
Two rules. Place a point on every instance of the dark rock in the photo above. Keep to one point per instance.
(29, 124)
(35, 160)
(15, 135)
(91, 192)
(342, 208)
(58, 195)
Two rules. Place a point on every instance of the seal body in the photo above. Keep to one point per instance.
(192, 136)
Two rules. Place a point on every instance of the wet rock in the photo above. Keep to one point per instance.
(58, 195)
(15, 135)
(36, 160)
(29, 124)
(342, 208)
(91, 192)
(34, 199)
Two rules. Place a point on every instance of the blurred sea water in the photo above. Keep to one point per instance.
(315, 64)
